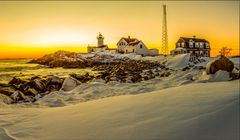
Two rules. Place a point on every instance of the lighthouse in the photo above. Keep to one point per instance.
(100, 39)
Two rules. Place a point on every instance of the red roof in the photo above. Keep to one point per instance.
(129, 40)
(134, 43)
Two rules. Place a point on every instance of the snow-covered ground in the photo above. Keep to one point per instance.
(188, 104)
(193, 111)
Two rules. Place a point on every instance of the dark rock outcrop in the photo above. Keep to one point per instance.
(219, 63)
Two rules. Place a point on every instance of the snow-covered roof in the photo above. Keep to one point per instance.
(186, 39)
(128, 39)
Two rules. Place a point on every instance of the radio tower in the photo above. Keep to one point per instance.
(164, 32)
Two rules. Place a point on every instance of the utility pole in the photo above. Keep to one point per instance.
(164, 32)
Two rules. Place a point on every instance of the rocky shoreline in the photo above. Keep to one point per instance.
(30, 90)
(109, 68)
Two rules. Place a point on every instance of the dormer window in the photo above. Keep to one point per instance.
(207, 45)
(179, 44)
(183, 44)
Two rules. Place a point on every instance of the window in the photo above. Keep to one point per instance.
(190, 51)
(196, 45)
(179, 44)
(201, 45)
(141, 46)
(207, 45)
(191, 44)
(183, 44)
(133, 50)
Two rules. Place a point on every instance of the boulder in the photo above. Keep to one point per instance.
(24, 87)
(53, 83)
(83, 78)
(219, 63)
(52, 87)
(31, 92)
(69, 84)
(235, 74)
(15, 81)
(7, 90)
(18, 95)
(38, 84)
(5, 99)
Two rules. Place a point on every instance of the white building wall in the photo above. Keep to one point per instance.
(122, 45)
(141, 49)
(100, 42)
(129, 49)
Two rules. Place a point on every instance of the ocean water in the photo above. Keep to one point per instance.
(10, 68)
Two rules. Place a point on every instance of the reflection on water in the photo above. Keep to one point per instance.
(10, 68)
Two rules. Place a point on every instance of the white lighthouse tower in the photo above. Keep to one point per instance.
(100, 39)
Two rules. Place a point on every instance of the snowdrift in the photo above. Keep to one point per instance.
(194, 111)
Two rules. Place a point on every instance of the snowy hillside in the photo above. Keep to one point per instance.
(194, 111)
(181, 102)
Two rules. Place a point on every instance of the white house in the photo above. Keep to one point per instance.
(100, 47)
(133, 45)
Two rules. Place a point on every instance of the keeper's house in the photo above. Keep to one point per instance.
(195, 46)
(133, 45)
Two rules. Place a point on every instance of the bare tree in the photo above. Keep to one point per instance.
(225, 51)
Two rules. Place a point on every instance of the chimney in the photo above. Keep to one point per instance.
(194, 36)
(128, 37)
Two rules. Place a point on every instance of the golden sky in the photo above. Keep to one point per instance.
(32, 29)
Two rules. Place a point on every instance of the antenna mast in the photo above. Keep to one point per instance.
(164, 32)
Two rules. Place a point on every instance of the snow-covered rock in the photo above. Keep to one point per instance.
(70, 83)
(217, 77)
(178, 61)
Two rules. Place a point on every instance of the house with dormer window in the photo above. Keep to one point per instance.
(133, 45)
(194, 46)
